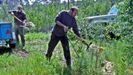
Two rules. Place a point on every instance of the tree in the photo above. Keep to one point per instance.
(68, 3)
(12, 4)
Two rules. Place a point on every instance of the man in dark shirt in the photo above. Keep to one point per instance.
(64, 21)
(0, 1)
(19, 24)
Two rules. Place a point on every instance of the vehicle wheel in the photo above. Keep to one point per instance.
(12, 45)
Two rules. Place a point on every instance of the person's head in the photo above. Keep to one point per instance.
(20, 8)
(73, 11)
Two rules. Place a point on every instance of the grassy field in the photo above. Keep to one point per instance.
(35, 63)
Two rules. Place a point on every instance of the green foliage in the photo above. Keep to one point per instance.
(43, 15)
(35, 63)
(117, 51)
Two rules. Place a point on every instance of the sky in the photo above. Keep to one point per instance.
(65, 0)
(61, 0)
(31, 1)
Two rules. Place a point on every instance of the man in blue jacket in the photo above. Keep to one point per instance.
(64, 21)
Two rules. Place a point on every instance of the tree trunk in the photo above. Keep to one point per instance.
(68, 3)
(21, 2)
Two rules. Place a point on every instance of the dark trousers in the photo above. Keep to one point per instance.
(20, 31)
(64, 41)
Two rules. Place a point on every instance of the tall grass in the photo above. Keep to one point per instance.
(35, 63)
(119, 52)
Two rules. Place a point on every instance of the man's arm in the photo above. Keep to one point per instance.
(75, 28)
(58, 21)
(12, 12)
(76, 31)
(60, 24)
(24, 18)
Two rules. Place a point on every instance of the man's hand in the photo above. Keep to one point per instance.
(62, 25)
(65, 28)
(24, 22)
(12, 13)
(82, 40)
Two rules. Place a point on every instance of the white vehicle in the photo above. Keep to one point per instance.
(104, 18)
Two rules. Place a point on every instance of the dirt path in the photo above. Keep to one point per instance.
(21, 52)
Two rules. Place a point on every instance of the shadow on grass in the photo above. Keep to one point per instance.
(67, 71)
(4, 50)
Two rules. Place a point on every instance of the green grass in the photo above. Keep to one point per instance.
(117, 51)
(36, 64)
